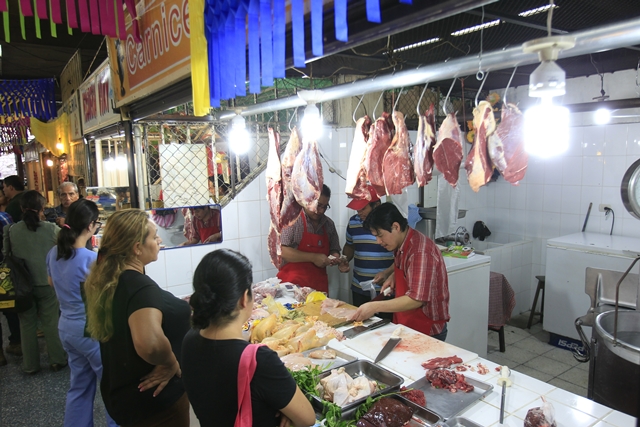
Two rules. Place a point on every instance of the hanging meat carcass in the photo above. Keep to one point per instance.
(478, 166)
(274, 178)
(356, 174)
(396, 167)
(275, 247)
(506, 145)
(423, 148)
(306, 177)
(290, 207)
(381, 135)
(447, 154)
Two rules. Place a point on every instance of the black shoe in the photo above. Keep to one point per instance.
(14, 349)
(58, 367)
(31, 372)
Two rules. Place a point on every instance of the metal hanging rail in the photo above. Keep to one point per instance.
(607, 37)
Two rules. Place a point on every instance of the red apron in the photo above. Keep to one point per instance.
(205, 232)
(306, 273)
(415, 319)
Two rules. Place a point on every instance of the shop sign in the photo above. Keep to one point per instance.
(163, 57)
(72, 107)
(96, 95)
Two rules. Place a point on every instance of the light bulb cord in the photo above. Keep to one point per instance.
(550, 17)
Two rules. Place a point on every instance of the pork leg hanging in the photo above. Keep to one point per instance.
(290, 207)
(506, 145)
(381, 134)
(397, 168)
(274, 178)
(423, 148)
(356, 186)
(307, 177)
(447, 154)
(478, 166)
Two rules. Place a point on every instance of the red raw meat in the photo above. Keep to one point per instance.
(447, 154)
(423, 148)
(386, 412)
(397, 168)
(506, 145)
(306, 177)
(441, 362)
(416, 396)
(275, 247)
(449, 380)
(478, 166)
(356, 186)
(380, 134)
(274, 178)
(290, 207)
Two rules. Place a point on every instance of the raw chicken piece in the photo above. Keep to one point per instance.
(341, 312)
(447, 153)
(478, 166)
(290, 207)
(275, 246)
(286, 332)
(330, 303)
(397, 168)
(506, 145)
(306, 177)
(381, 134)
(341, 389)
(263, 329)
(423, 148)
(296, 361)
(323, 354)
(274, 178)
(356, 186)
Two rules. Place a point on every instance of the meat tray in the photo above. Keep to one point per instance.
(447, 404)
(373, 372)
(328, 364)
(421, 416)
(461, 422)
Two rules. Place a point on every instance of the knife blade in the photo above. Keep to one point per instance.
(353, 332)
(390, 345)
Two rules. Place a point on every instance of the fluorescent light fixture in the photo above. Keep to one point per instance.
(476, 28)
(238, 135)
(311, 123)
(415, 45)
(536, 10)
(546, 129)
(602, 116)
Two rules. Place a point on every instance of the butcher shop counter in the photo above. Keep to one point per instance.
(571, 410)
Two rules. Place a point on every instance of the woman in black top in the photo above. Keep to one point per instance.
(140, 327)
(222, 303)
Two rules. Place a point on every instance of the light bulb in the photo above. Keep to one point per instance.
(547, 80)
(602, 116)
(49, 162)
(239, 141)
(59, 146)
(110, 164)
(121, 163)
(546, 129)
(311, 123)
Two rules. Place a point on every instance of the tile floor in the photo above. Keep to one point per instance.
(528, 351)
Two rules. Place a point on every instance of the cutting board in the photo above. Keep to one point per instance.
(414, 349)
(313, 309)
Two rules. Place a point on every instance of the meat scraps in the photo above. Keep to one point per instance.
(386, 412)
(541, 417)
(506, 145)
(381, 134)
(307, 177)
(441, 362)
(397, 168)
(423, 148)
(447, 153)
(416, 396)
(275, 246)
(290, 207)
(300, 293)
(478, 166)
(356, 186)
(449, 380)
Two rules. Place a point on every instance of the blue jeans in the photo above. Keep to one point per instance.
(442, 335)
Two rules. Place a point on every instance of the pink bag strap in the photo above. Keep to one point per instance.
(246, 369)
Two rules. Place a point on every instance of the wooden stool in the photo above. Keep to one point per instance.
(539, 289)
(500, 332)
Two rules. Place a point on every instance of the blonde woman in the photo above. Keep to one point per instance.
(140, 327)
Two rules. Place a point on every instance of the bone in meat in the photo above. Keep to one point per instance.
(275, 246)
(274, 178)
(356, 186)
(423, 148)
(447, 154)
(290, 207)
(306, 177)
(506, 145)
(397, 168)
(478, 166)
(381, 134)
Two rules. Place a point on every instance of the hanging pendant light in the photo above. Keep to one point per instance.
(311, 123)
(239, 141)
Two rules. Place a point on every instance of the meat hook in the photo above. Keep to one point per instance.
(446, 99)
(377, 103)
(295, 113)
(354, 111)
(504, 102)
(481, 86)
(420, 100)
(397, 99)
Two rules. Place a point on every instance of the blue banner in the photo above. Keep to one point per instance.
(241, 50)
(254, 46)
(28, 98)
(279, 27)
(266, 42)
(297, 30)
(340, 12)
(317, 45)
(373, 11)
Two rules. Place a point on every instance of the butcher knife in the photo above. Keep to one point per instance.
(394, 339)
(350, 333)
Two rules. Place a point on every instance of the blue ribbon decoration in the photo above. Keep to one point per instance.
(215, 36)
(209, 32)
(340, 12)
(279, 27)
(297, 29)
(373, 11)
(317, 45)
(229, 69)
(266, 42)
(241, 49)
(254, 46)
(406, 1)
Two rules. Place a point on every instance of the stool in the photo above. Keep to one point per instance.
(539, 289)
(500, 332)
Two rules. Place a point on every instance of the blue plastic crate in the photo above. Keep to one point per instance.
(565, 343)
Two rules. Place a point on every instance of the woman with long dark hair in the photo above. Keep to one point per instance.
(213, 352)
(68, 264)
(31, 239)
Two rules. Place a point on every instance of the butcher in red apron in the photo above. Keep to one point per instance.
(204, 226)
(420, 278)
(306, 246)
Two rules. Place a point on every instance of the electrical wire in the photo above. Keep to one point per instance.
(331, 168)
(613, 215)
(550, 17)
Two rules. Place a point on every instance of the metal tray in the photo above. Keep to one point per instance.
(327, 364)
(421, 416)
(373, 372)
(447, 404)
(461, 422)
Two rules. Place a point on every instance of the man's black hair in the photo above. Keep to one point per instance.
(15, 181)
(326, 191)
(383, 217)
